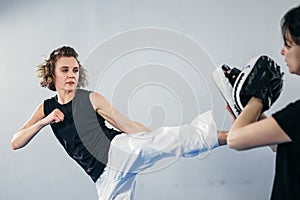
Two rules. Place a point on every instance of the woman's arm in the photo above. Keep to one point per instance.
(34, 125)
(114, 117)
(246, 132)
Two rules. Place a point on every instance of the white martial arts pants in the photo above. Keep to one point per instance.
(130, 154)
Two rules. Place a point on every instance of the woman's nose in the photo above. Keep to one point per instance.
(282, 52)
(71, 73)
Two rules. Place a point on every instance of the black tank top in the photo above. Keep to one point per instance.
(83, 132)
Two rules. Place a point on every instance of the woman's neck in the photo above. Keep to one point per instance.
(64, 97)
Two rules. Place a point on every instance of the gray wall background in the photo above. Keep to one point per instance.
(231, 31)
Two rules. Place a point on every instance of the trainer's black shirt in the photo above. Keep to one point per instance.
(287, 174)
(82, 133)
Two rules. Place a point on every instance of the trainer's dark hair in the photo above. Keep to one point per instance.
(290, 23)
(45, 70)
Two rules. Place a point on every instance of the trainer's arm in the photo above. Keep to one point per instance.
(34, 125)
(273, 147)
(114, 117)
(246, 132)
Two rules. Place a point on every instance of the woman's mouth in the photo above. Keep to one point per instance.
(70, 82)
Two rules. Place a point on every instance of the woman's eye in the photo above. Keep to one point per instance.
(287, 46)
(75, 70)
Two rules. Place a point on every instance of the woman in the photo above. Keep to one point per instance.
(252, 129)
(111, 158)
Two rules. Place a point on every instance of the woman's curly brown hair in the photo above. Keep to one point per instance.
(46, 69)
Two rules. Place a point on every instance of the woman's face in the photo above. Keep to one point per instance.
(66, 74)
(291, 53)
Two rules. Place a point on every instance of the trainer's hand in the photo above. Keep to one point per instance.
(270, 84)
(276, 82)
(54, 117)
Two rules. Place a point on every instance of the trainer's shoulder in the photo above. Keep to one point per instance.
(295, 105)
